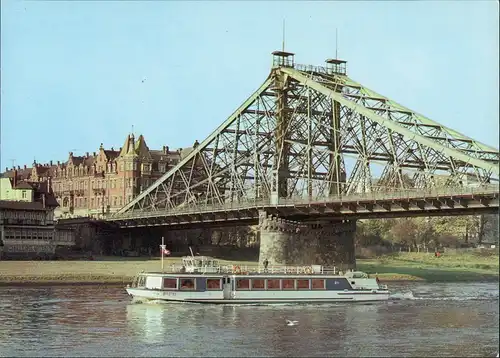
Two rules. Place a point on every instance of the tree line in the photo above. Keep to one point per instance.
(424, 233)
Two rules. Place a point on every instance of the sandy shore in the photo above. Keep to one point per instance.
(99, 271)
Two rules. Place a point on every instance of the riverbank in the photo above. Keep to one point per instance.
(450, 267)
(120, 271)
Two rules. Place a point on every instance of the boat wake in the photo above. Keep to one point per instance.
(409, 295)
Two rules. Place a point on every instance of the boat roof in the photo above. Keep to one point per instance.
(249, 275)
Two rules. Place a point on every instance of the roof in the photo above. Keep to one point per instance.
(21, 205)
(23, 185)
(283, 53)
(335, 61)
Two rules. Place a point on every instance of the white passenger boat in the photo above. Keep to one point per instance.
(201, 279)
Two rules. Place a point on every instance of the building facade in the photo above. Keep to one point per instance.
(100, 183)
(27, 221)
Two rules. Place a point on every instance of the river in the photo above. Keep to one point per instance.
(432, 320)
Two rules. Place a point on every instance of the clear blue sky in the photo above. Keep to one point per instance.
(72, 71)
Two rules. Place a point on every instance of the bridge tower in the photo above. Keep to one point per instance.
(281, 170)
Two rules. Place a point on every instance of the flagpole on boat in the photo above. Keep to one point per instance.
(162, 251)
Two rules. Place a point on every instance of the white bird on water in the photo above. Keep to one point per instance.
(291, 323)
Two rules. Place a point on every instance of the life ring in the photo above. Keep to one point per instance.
(237, 270)
(308, 270)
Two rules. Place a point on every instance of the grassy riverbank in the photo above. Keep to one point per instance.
(451, 267)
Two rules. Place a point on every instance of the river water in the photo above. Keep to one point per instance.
(428, 320)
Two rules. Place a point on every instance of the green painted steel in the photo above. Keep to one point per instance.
(299, 76)
(193, 153)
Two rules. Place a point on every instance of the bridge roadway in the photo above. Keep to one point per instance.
(437, 202)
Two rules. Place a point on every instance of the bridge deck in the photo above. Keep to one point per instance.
(368, 205)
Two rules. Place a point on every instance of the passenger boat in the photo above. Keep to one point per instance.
(202, 280)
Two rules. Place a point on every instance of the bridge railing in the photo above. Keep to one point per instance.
(290, 202)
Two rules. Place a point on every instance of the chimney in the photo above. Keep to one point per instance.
(14, 182)
(94, 154)
(43, 200)
(112, 149)
(51, 163)
(18, 167)
(25, 166)
(58, 163)
(86, 154)
(6, 169)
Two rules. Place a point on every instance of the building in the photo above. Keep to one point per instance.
(27, 220)
(102, 182)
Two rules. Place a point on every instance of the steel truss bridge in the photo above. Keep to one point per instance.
(310, 143)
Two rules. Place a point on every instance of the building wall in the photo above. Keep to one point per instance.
(104, 181)
(9, 193)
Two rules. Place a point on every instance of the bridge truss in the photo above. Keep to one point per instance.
(312, 132)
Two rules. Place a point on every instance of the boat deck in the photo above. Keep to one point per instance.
(258, 270)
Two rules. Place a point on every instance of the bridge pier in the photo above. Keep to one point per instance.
(285, 242)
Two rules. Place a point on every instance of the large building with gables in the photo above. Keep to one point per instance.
(101, 182)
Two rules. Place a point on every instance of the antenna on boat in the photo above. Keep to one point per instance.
(162, 248)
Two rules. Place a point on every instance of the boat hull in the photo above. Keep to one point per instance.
(328, 297)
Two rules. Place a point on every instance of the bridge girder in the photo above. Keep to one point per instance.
(310, 133)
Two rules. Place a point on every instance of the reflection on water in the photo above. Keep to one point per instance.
(427, 320)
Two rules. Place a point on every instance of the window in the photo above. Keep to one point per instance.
(288, 284)
(242, 284)
(170, 283)
(213, 284)
(187, 284)
(273, 284)
(302, 284)
(24, 194)
(258, 284)
(318, 284)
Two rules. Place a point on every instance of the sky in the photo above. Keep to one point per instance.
(75, 74)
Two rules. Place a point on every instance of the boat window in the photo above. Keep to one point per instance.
(170, 283)
(273, 284)
(318, 284)
(142, 281)
(302, 284)
(288, 284)
(242, 284)
(187, 284)
(258, 284)
(213, 284)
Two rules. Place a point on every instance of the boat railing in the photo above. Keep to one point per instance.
(260, 269)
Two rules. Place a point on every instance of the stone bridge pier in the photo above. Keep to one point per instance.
(325, 242)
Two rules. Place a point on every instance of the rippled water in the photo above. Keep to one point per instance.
(421, 320)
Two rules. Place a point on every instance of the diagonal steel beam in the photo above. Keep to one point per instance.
(297, 75)
(201, 146)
